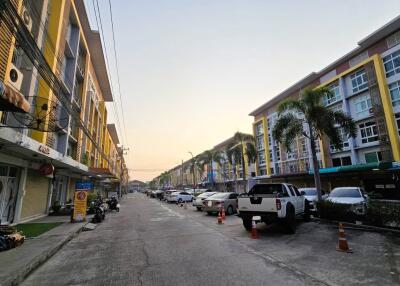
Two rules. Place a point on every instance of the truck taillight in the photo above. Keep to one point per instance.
(278, 204)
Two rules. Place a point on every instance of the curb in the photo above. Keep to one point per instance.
(35, 263)
(358, 226)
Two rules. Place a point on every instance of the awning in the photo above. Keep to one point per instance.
(101, 172)
(12, 100)
(355, 168)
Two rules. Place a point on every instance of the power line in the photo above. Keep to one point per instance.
(116, 66)
(100, 28)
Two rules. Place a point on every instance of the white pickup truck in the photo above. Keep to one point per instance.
(273, 203)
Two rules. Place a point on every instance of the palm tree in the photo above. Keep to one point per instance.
(306, 116)
(207, 158)
(233, 156)
(244, 143)
(165, 179)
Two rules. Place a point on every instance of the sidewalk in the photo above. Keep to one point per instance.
(18, 262)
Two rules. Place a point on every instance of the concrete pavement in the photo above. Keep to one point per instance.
(149, 243)
(154, 243)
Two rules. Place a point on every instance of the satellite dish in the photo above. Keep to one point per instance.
(45, 115)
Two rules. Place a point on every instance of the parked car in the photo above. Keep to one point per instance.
(159, 194)
(352, 196)
(168, 193)
(196, 192)
(198, 201)
(179, 197)
(311, 196)
(280, 203)
(215, 202)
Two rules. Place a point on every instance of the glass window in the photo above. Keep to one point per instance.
(291, 191)
(392, 64)
(268, 189)
(334, 96)
(394, 89)
(346, 161)
(398, 122)
(363, 105)
(345, 193)
(259, 128)
(345, 140)
(261, 157)
(260, 142)
(369, 132)
(359, 81)
(373, 157)
(277, 153)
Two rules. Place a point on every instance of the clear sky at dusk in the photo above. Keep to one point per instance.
(191, 71)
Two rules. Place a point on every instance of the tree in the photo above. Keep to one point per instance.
(165, 178)
(306, 116)
(207, 158)
(233, 156)
(245, 147)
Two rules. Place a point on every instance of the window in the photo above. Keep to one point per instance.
(334, 96)
(337, 107)
(394, 89)
(363, 105)
(291, 190)
(398, 122)
(359, 81)
(392, 64)
(342, 161)
(277, 153)
(260, 142)
(369, 132)
(263, 172)
(259, 129)
(373, 157)
(345, 140)
(261, 157)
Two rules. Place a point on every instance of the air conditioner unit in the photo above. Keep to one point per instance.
(15, 77)
(26, 18)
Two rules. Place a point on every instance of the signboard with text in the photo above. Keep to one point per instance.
(80, 201)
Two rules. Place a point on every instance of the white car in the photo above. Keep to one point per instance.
(352, 196)
(311, 196)
(198, 202)
(179, 197)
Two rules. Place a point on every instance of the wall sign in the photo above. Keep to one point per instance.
(44, 149)
(46, 169)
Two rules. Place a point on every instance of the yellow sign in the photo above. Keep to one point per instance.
(80, 204)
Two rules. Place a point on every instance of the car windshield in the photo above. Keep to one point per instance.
(345, 193)
(309, 192)
(219, 196)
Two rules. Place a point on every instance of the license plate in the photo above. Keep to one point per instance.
(209, 203)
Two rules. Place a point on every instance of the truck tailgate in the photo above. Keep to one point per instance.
(260, 203)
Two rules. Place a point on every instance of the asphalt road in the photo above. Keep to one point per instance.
(155, 243)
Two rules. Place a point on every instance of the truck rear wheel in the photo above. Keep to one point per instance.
(247, 223)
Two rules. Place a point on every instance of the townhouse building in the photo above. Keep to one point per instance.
(365, 84)
(56, 132)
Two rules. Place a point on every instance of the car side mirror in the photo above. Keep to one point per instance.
(303, 193)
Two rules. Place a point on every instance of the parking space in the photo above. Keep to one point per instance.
(312, 249)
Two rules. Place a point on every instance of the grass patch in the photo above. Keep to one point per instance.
(36, 229)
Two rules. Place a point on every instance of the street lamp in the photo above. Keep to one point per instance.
(194, 173)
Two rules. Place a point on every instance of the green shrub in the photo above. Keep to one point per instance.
(333, 211)
(380, 213)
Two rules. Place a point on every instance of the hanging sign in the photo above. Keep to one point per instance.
(46, 169)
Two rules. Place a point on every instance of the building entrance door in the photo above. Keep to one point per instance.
(8, 193)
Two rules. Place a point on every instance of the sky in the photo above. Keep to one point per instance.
(191, 71)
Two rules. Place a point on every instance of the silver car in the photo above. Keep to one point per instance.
(215, 203)
(311, 196)
(198, 202)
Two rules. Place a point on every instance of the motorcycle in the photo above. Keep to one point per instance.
(113, 204)
(99, 210)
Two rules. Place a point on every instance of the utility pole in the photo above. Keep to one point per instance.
(121, 156)
(194, 173)
(182, 175)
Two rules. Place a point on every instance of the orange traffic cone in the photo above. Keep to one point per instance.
(223, 213)
(219, 221)
(254, 233)
(342, 244)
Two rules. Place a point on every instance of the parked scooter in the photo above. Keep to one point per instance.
(113, 204)
(99, 210)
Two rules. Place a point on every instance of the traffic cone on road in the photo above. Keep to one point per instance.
(254, 233)
(223, 213)
(342, 244)
(219, 221)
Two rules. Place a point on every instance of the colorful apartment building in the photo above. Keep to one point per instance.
(365, 83)
(66, 86)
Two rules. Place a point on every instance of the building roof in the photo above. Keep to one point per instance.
(96, 51)
(113, 133)
(364, 43)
